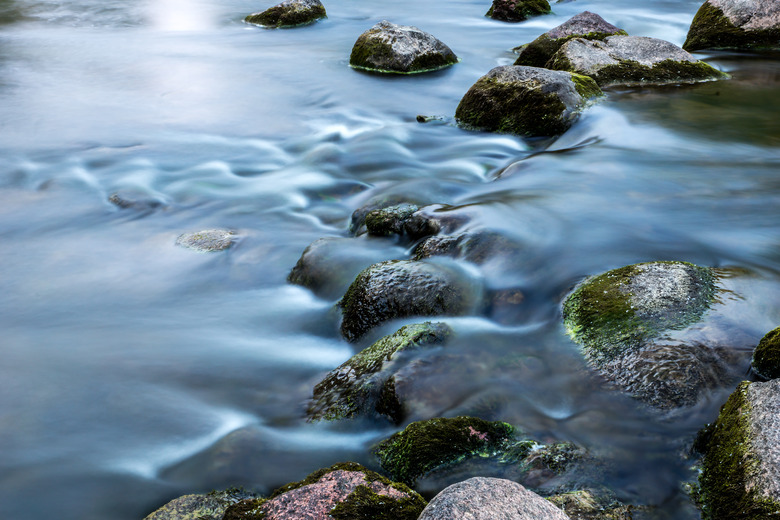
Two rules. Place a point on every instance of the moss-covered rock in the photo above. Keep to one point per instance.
(586, 25)
(211, 506)
(290, 13)
(345, 491)
(207, 240)
(740, 478)
(527, 101)
(586, 504)
(631, 60)
(399, 49)
(735, 24)
(403, 220)
(478, 247)
(401, 289)
(517, 10)
(766, 356)
(358, 385)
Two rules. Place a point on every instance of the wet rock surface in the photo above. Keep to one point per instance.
(484, 498)
(404, 220)
(766, 356)
(586, 25)
(290, 13)
(741, 467)
(585, 504)
(388, 47)
(517, 10)
(631, 60)
(207, 240)
(527, 101)
(735, 24)
(211, 506)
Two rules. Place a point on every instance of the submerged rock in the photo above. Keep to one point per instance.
(402, 219)
(358, 386)
(290, 13)
(735, 24)
(477, 247)
(400, 49)
(586, 25)
(622, 318)
(740, 476)
(211, 506)
(766, 356)
(632, 60)
(585, 504)
(402, 288)
(484, 498)
(527, 101)
(517, 10)
(345, 491)
(207, 240)
(129, 199)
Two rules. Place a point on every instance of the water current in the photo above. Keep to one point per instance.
(134, 371)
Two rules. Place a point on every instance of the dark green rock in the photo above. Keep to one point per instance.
(290, 13)
(766, 356)
(211, 506)
(403, 220)
(729, 24)
(517, 10)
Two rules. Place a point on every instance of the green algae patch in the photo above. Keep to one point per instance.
(426, 445)
(517, 10)
(766, 356)
(712, 29)
(364, 504)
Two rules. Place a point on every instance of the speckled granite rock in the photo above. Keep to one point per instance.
(211, 506)
(735, 24)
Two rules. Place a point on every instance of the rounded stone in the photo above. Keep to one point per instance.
(290, 13)
(517, 10)
(207, 240)
(766, 356)
(211, 506)
(735, 24)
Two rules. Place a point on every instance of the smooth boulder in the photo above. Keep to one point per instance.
(399, 49)
(586, 25)
(485, 498)
(740, 477)
(517, 10)
(527, 101)
(290, 13)
(735, 24)
(766, 356)
(632, 60)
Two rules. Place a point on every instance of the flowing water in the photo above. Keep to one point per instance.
(134, 371)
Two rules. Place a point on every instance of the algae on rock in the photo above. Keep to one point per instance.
(733, 24)
(766, 356)
(290, 13)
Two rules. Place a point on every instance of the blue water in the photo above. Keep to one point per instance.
(134, 371)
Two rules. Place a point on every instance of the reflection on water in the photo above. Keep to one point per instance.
(135, 371)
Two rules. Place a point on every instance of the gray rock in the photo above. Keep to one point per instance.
(741, 467)
(482, 498)
(207, 240)
(586, 504)
(766, 356)
(399, 49)
(587, 25)
(404, 220)
(402, 288)
(631, 60)
(517, 10)
(527, 101)
(130, 199)
(735, 24)
(211, 506)
(290, 13)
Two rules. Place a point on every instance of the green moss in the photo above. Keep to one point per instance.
(538, 52)
(727, 464)
(587, 505)
(285, 16)
(426, 445)
(364, 504)
(369, 50)
(766, 356)
(251, 509)
(630, 72)
(517, 10)
(388, 221)
(586, 86)
(711, 29)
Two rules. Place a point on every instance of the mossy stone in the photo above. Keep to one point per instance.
(290, 13)
(766, 356)
(211, 506)
(712, 29)
(517, 10)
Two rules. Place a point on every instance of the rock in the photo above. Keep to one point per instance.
(632, 60)
(478, 247)
(357, 386)
(358, 220)
(740, 476)
(207, 240)
(766, 357)
(401, 289)
(735, 24)
(585, 504)
(527, 101)
(211, 506)
(129, 199)
(402, 219)
(587, 25)
(623, 319)
(482, 498)
(290, 13)
(399, 49)
(517, 10)
(345, 491)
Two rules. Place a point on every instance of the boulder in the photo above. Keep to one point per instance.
(517, 10)
(290, 13)
(482, 498)
(623, 320)
(358, 385)
(403, 288)
(478, 247)
(586, 504)
(211, 506)
(735, 24)
(527, 101)
(207, 240)
(402, 219)
(766, 356)
(346, 491)
(740, 477)
(399, 49)
(632, 60)
(586, 25)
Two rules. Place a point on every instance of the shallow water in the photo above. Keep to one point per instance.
(129, 363)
